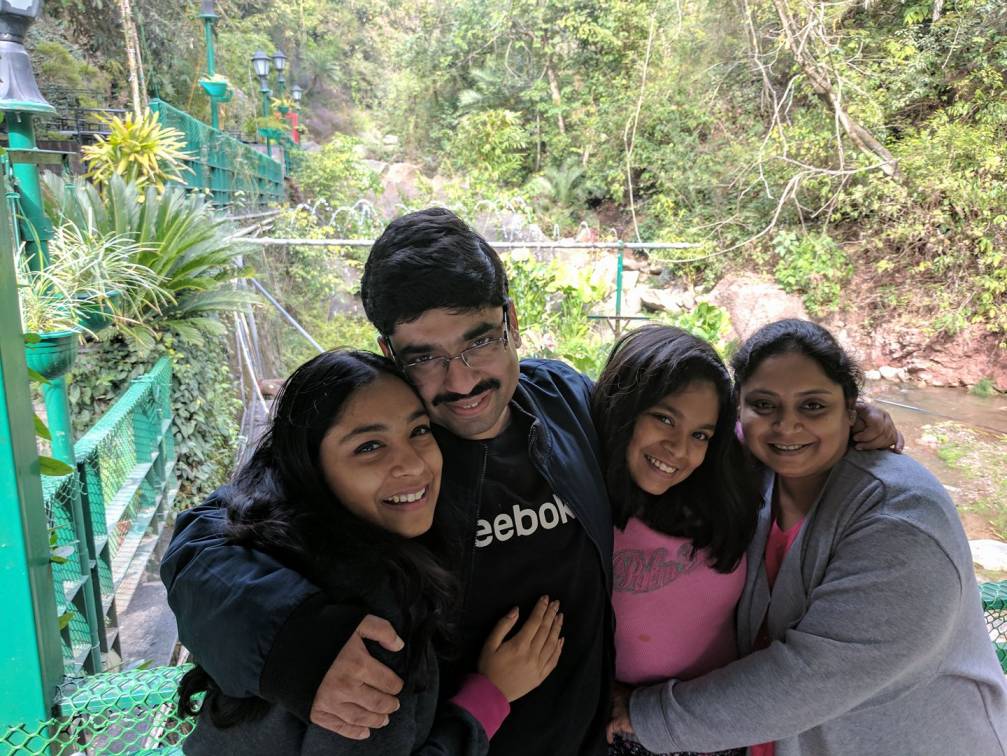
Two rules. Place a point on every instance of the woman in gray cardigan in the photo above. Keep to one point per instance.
(860, 625)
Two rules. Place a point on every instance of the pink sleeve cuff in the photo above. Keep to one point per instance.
(484, 701)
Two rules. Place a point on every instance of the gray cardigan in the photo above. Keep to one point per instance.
(878, 640)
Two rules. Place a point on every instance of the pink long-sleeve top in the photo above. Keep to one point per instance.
(674, 612)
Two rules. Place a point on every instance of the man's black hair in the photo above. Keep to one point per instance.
(429, 260)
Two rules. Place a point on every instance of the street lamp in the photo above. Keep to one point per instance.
(296, 93)
(280, 64)
(19, 99)
(208, 12)
(279, 61)
(260, 64)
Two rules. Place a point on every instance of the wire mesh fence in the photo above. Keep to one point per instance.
(123, 487)
(132, 712)
(994, 597)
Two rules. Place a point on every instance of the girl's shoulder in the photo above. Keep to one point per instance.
(894, 490)
(894, 476)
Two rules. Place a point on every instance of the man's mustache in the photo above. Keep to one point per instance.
(488, 384)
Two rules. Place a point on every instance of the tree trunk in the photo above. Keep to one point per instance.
(132, 55)
(938, 9)
(557, 100)
(820, 82)
(141, 76)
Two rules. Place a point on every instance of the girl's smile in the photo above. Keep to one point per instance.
(386, 472)
(670, 439)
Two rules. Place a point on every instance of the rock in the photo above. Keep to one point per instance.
(631, 304)
(378, 166)
(400, 182)
(753, 301)
(665, 300)
(510, 226)
(960, 360)
(989, 554)
(270, 387)
(889, 373)
(872, 375)
(345, 303)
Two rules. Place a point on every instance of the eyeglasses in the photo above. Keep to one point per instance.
(482, 354)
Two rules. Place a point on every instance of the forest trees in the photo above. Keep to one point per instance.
(878, 125)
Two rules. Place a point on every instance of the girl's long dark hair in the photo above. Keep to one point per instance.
(716, 506)
(279, 502)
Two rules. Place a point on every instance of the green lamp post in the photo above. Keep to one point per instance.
(33, 657)
(280, 64)
(20, 99)
(260, 64)
(209, 15)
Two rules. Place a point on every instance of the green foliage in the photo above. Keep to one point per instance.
(716, 149)
(813, 265)
(491, 144)
(984, 388)
(57, 66)
(553, 301)
(336, 174)
(178, 236)
(708, 322)
(138, 149)
(204, 401)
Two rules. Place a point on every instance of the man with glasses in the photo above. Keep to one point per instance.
(521, 475)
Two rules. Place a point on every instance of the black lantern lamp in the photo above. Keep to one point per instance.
(18, 90)
(208, 10)
(260, 64)
(296, 93)
(280, 64)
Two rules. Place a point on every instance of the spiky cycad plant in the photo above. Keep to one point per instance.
(179, 236)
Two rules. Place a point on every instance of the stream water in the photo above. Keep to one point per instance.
(914, 407)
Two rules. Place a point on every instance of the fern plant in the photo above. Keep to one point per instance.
(138, 149)
(179, 236)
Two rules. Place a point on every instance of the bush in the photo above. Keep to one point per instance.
(139, 150)
(184, 240)
(813, 265)
(335, 173)
(553, 301)
(708, 322)
(492, 144)
(204, 401)
(57, 67)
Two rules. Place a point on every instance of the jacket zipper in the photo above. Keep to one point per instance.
(470, 544)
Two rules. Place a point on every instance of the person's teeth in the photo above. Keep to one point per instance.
(661, 466)
(407, 498)
(788, 447)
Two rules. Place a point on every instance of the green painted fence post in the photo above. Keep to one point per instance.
(618, 292)
(31, 663)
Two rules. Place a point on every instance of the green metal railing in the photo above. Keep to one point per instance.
(124, 485)
(235, 174)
